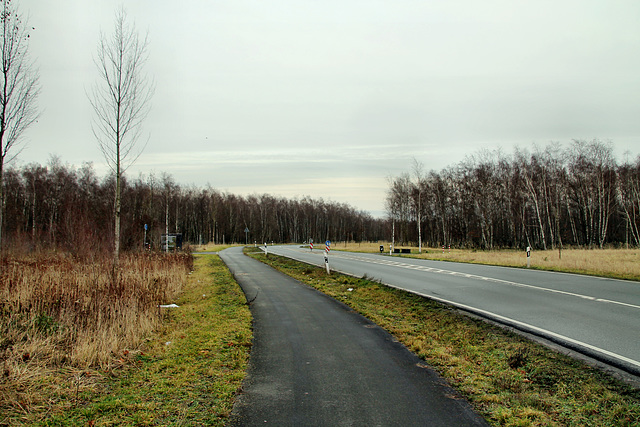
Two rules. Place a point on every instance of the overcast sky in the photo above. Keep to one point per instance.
(328, 98)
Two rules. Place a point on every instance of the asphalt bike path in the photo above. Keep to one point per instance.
(315, 362)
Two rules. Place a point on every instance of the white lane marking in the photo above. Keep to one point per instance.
(400, 264)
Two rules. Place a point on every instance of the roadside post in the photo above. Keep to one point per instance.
(528, 256)
(327, 248)
(144, 244)
(311, 245)
(265, 249)
(381, 248)
(246, 236)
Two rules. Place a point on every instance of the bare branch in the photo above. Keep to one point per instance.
(19, 87)
(120, 100)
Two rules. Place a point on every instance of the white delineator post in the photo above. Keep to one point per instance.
(327, 248)
(528, 256)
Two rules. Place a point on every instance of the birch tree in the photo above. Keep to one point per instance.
(418, 174)
(19, 88)
(121, 101)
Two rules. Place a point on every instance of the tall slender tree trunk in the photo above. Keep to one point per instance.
(166, 225)
(548, 212)
(1, 195)
(116, 227)
(33, 214)
(117, 202)
(419, 228)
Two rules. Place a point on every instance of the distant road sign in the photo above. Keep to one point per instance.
(327, 245)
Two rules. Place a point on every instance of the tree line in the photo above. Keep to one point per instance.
(120, 100)
(61, 206)
(544, 198)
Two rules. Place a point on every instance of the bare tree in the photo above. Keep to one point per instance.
(120, 100)
(417, 171)
(19, 88)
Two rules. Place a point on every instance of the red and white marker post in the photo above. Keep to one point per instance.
(327, 248)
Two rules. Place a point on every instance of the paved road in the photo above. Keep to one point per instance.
(598, 317)
(315, 362)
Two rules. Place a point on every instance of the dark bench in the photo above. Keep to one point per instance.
(402, 251)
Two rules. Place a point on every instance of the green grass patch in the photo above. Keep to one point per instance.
(509, 379)
(189, 372)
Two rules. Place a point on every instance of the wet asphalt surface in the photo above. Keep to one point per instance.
(315, 362)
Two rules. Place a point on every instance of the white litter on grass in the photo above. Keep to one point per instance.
(168, 306)
(167, 343)
(350, 289)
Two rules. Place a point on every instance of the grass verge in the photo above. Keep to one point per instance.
(510, 380)
(189, 371)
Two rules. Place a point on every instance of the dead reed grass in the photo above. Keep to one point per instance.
(64, 316)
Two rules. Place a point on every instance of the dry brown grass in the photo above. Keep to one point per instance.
(62, 319)
(618, 263)
(211, 247)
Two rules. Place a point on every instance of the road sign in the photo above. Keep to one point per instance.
(327, 245)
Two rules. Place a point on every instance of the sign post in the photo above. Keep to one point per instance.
(327, 248)
(528, 256)
(246, 236)
(144, 244)
(311, 245)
